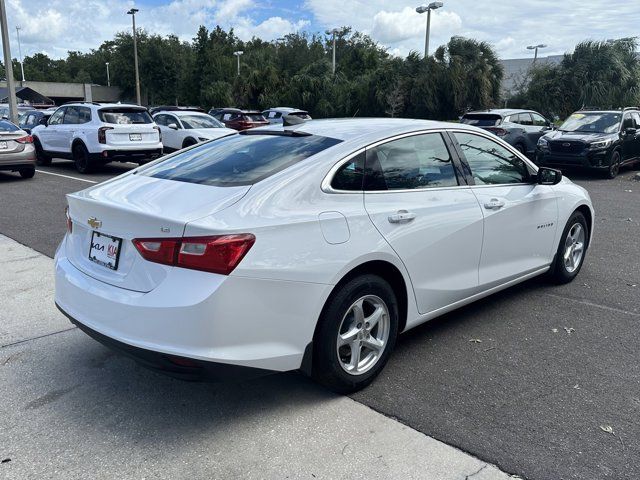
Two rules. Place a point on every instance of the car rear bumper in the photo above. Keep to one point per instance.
(125, 155)
(590, 160)
(17, 160)
(183, 368)
(257, 323)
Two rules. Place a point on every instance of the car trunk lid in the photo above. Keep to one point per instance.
(136, 206)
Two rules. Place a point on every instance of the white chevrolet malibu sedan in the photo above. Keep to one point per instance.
(310, 247)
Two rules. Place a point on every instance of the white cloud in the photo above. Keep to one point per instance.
(510, 26)
(271, 29)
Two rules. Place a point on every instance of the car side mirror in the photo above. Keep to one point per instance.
(630, 131)
(548, 176)
(173, 126)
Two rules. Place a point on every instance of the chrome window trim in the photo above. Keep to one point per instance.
(326, 182)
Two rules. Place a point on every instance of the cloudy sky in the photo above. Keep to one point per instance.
(56, 26)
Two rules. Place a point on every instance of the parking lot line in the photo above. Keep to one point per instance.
(67, 176)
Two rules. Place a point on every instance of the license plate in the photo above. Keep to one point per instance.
(135, 137)
(105, 250)
(3, 145)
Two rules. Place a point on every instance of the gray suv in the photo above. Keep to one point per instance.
(520, 128)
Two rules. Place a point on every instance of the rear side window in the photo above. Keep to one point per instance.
(6, 126)
(124, 116)
(350, 176)
(481, 119)
(239, 159)
(418, 161)
(524, 119)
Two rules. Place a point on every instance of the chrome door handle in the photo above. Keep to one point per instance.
(494, 204)
(403, 216)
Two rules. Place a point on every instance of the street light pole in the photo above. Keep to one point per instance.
(333, 67)
(237, 54)
(536, 47)
(8, 67)
(20, 52)
(133, 12)
(108, 77)
(427, 9)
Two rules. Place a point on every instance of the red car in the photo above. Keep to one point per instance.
(239, 119)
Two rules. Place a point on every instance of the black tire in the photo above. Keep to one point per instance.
(188, 142)
(81, 158)
(42, 158)
(614, 165)
(28, 172)
(559, 272)
(327, 365)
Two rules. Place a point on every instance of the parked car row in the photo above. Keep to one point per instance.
(600, 140)
(92, 134)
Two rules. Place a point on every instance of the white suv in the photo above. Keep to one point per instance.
(92, 134)
(182, 128)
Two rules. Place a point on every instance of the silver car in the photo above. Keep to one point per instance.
(17, 153)
(276, 115)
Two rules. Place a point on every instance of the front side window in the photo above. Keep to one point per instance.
(161, 120)
(490, 162)
(524, 119)
(57, 116)
(418, 161)
(124, 115)
(628, 122)
(239, 159)
(539, 120)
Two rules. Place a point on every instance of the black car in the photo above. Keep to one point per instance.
(520, 128)
(32, 118)
(602, 140)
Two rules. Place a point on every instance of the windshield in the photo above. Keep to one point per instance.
(200, 121)
(481, 119)
(124, 116)
(595, 122)
(239, 159)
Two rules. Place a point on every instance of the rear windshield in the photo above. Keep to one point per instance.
(481, 119)
(304, 115)
(254, 117)
(239, 159)
(7, 126)
(124, 116)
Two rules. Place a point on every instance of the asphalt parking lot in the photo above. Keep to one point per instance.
(542, 381)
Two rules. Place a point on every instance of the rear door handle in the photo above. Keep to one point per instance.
(494, 204)
(403, 216)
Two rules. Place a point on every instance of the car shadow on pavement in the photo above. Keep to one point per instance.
(8, 177)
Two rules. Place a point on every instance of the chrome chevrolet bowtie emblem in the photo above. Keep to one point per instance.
(94, 222)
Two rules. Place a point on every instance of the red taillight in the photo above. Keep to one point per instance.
(27, 139)
(102, 134)
(69, 221)
(219, 254)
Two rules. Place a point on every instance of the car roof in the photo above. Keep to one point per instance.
(284, 109)
(502, 111)
(102, 105)
(366, 128)
(180, 113)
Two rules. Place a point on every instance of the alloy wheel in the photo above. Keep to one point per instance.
(574, 248)
(363, 335)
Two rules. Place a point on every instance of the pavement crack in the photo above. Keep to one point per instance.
(592, 304)
(38, 337)
(476, 472)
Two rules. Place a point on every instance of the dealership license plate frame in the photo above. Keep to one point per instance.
(135, 137)
(103, 263)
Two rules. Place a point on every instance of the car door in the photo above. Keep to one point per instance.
(520, 216)
(629, 137)
(431, 219)
(636, 143)
(70, 121)
(48, 135)
(169, 135)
